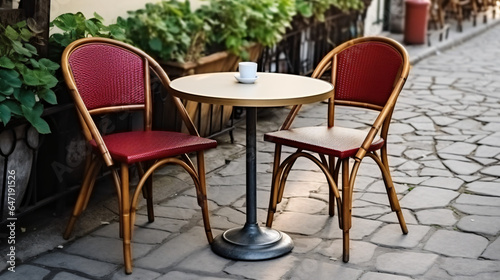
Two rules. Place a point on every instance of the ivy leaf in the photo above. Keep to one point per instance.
(65, 22)
(155, 44)
(31, 48)
(117, 32)
(48, 95)
(25, 97)
(5, 62)
(11, 78)
(5, 89)
(30, 78)
(20, 49)
(21, 24)
(175, 29)
(45, 78)
(33, 116)
(26, 34)
(186, 40)
(14, 107)
(97, 16)
(41, 126)
(92, 27)
(58, 38)
(305, 9)
(5, 113)
(34, 63)
(48, 64)
(11, 33)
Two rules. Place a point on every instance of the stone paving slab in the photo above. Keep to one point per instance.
(444, 149)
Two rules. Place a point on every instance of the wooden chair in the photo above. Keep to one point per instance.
(437, 20)
(368, 73)
(106, 76)
(461, 10)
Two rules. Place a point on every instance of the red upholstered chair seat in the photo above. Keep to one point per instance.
(336, 141)
(139, 146)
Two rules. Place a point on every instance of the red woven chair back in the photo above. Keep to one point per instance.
(107, 75)
(367, 72)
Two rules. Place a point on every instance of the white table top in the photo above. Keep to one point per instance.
(270, 89)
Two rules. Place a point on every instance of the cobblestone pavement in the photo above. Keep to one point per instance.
(445, 152)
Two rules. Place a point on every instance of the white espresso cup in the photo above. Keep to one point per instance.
(248, 70)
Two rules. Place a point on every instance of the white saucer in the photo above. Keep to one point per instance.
(245, 80)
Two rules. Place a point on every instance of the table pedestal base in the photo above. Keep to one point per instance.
(252, 243)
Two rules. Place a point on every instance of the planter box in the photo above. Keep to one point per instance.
(216, 62)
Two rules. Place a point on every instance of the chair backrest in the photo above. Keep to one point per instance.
(109, 76)
(366, 71)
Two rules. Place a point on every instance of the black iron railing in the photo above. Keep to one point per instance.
(305, 44)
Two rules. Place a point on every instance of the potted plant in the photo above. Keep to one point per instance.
(212, 38)
(167, 30)
(171, 31)
(73, 26)
(237, 24)
(26, 83)
(187, 40)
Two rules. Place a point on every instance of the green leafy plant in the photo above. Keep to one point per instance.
(317, 8)
(167, 30)
(172, 31)
(73, 26)
(269, 19)
(26, 81)
(227, 24)
(235, 24)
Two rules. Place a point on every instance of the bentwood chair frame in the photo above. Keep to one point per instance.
(335, 145)
(168, 147)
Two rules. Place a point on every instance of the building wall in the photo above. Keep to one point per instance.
(374, 18)
(108, 9)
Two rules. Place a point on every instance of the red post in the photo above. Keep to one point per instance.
(415, 29)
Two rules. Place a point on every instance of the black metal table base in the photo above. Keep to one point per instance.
(251, 242)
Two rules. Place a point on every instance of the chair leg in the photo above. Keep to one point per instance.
(273, 200)
(346, 208)
(147, 190)
(149, 199)
(389, 186)
(393, 199)
(331, 195)
(203, 193)
(127, 227)
(118, 187)
(335, 175)
(83, 197)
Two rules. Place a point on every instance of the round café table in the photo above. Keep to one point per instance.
(251, 242)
